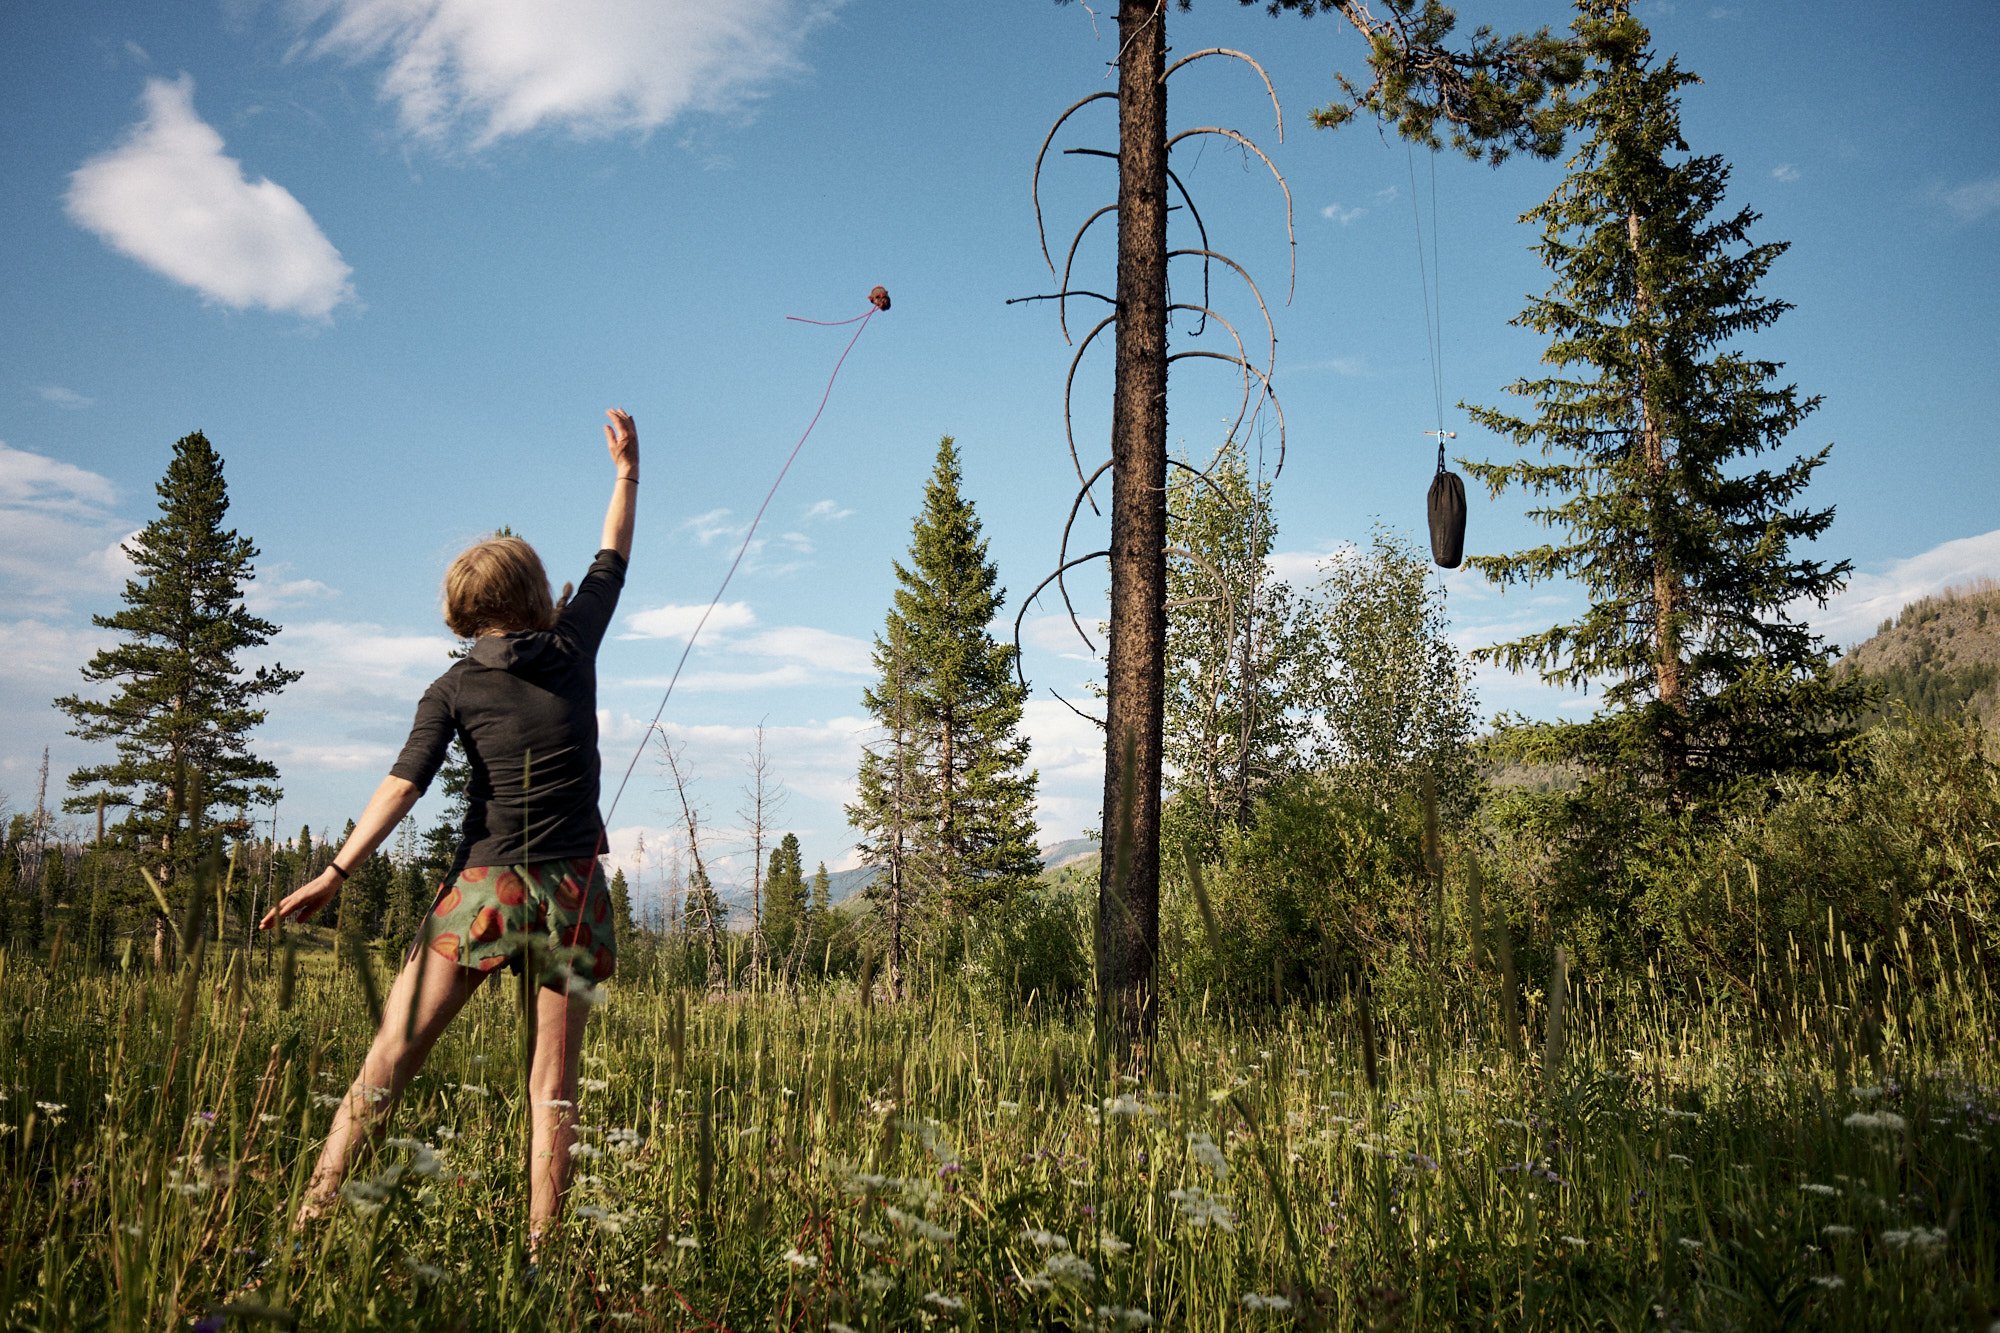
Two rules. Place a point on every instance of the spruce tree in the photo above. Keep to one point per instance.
(184, 707)
(621, 909)
(785, 906)
(1649, 430)
(949, 690)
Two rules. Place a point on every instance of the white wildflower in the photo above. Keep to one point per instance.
(1202, 1209)
(1824, 1191)
(1577, 1241)
(1202, 1148)
(624, 1140)
(949, 1304)
(1045, 1240)
(1125, 1106)
(799, 1259)
(920, 1227)
(1123, 1316)
(1866, 1094)
(1917, 1238)
(1108, 1243)
(1888, 1120)
(424, 1272)
(1066, 1267)
(1682, 1158)
(686, 1243)
(593, 1084)
(874, 1240)
(1258, 1301)
(878, 1283)
(472, 1090)
(1832, 1281)
(1689, 1244)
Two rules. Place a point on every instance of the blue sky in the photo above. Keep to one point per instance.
(396, 258)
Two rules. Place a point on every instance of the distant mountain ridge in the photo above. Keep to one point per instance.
(844, 884)
(1940, 656)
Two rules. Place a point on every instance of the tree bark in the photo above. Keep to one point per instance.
(1128, 918)
(1667, 676)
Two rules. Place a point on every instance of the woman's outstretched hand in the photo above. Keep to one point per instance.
(621, 437)
(304, 902)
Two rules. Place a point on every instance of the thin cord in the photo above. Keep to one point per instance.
(861, 319)
(1433, 332)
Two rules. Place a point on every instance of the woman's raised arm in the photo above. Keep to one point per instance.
(621, 437)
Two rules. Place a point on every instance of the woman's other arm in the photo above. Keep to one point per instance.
(621, 437)
(386, 808)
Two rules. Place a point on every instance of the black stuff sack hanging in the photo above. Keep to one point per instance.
(1447, 515)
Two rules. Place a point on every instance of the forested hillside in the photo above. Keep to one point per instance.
(1940, 656)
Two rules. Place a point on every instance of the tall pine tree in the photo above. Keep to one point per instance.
(184, 707)
(1687, 548)
(958, 779)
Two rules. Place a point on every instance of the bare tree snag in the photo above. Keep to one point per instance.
(1128, 915)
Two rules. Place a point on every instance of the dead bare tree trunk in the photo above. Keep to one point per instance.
(701, 888)
(1128, 916)
(764, 804)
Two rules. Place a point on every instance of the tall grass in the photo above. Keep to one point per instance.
(1819, 1155)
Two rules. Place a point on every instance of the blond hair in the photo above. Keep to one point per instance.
(497, 585)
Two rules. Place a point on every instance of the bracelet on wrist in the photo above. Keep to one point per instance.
(334, 866)
(633, 480)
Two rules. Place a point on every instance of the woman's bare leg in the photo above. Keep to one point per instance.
(438, 989)
(559, 1022)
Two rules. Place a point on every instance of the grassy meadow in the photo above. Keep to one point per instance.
(1655, 1157)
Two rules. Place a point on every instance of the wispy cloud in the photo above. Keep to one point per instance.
(1785, 172)
(170, 198)
(821, 650)
(61, 397)
(1974, 201)
(31, 480)
(1343, 215)
(829, 511)
(713, 526)
(490, 71)
(676, 621)
(59, 535)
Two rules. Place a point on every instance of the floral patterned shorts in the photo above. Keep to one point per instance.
(553, 917)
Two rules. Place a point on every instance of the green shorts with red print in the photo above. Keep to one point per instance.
(551, 918)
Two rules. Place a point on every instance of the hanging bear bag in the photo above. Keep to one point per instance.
(1447, 515)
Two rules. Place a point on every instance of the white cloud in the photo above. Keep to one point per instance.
(499, 68)
(1337, 213)
(1975, 200)
(1053, 633)
(1301, 569)
(713, 526)
(829, 510)
(1871, 598)
(1068, 753)
(62, 397)
(822, 650)
(49, 484)
(363, 664)
(170, 198)
(58, 536)
(1785, 172)
(674, 621)
(264, 595)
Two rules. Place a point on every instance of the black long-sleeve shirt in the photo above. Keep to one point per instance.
(525, 708)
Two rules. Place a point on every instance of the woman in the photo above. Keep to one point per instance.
(526, 890)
